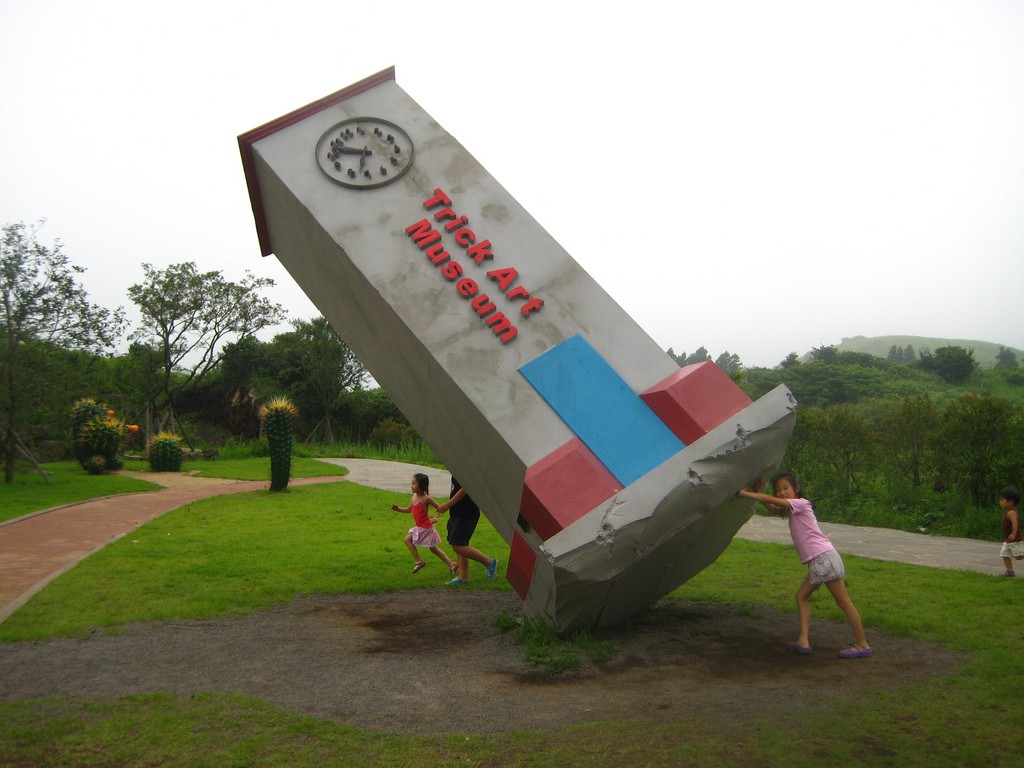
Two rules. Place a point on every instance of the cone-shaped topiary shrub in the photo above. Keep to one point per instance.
(165, 453)
(277, 416)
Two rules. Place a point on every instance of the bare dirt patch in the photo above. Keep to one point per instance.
(432, 661)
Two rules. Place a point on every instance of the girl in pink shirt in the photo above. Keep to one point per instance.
(423, 534)
(824, 565)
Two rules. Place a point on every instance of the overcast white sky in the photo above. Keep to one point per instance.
(832, 169)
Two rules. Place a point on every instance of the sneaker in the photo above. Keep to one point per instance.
(456, 582)
(492, 569)
(1008, 574)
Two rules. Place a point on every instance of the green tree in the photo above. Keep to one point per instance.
(802, 450)
(137, 374)
(904, 437)
(978, 447)
(833, 445)
(42, 304)
(822, 384)
(187, 316)
(729, 362)
(60, 377)
(367, 408)
(700, 356)
(245, 375)
(791, 360)
(1006, 358)
(827, 354)
(846, 447)
(318, 367)
(863, 359)
(952, 364)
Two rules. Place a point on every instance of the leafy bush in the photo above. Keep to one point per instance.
(390, 433)
(99, 438)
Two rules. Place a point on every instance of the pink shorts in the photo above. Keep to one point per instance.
(425, 537)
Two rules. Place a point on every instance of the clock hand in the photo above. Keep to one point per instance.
(353, 151)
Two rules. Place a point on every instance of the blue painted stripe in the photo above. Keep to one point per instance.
(599, 406)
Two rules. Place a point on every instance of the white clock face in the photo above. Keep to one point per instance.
(364, 152)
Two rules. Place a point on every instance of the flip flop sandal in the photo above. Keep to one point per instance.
(418, 566)
(856, 652)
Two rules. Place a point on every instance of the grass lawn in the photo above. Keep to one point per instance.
(243, 553)
(66, 482)
(248, 469)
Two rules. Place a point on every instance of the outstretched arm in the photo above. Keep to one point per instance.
(459, 494)
(774, 504)
(397, 508)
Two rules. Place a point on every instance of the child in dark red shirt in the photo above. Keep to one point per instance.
(1013, 540)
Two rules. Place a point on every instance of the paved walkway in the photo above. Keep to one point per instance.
(37, 548)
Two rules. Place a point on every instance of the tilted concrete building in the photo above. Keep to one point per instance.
(609, 470)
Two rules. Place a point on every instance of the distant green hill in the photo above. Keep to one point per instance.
(984, 351)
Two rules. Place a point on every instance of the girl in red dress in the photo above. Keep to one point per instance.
(423, 534)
